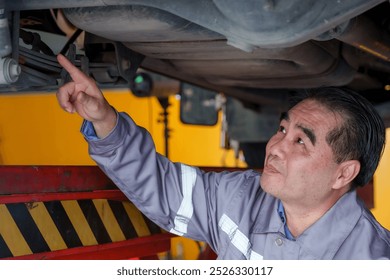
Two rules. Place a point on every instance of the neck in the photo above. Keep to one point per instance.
(298, 222)
(300, 218)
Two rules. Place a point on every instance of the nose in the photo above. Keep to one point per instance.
(277, 146)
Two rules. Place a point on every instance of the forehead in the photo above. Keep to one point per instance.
(312, 115)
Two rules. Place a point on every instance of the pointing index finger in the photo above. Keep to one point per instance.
(77, 75)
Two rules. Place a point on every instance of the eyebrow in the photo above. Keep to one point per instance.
(284, 116)
(308, 131)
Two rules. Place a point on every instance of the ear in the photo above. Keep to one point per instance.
(347, 171)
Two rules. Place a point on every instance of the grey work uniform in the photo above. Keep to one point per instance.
(228, 210)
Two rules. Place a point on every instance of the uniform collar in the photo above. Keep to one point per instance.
(282, 216)
(268, 219)
(323, 239)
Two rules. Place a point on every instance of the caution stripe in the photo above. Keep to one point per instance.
(14, 240)
(138, 220)
(94, 221)
(123, 219)
(34, 238)
(63, 224)
(47, 227)
(4, 248)
(109, 221)
(28, 228)
(79, 222)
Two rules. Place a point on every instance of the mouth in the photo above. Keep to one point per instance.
(269, 168)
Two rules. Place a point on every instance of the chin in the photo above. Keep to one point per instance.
(266, 183)
(270, 185)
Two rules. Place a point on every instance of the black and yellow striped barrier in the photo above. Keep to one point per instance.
(29, 228)
(94, 222)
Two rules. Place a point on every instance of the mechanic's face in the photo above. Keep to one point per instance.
(299, 166)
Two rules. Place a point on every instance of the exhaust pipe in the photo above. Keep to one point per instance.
(364, 35)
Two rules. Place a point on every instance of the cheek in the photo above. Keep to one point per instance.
(324, 162)
(298, 173)
(310, 170)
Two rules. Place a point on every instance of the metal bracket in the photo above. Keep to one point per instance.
(128, 61)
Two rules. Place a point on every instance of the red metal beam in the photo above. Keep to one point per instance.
(34, 197)
(43, 179)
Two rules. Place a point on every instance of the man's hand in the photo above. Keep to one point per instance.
(84, 97)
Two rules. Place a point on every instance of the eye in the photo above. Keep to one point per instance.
(300, 141)
(282, 129)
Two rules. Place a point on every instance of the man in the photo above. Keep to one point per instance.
(303, 206)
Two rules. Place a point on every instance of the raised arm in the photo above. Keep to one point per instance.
(84, 97)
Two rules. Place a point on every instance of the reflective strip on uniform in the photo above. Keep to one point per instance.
(237, 238)
(186, 209)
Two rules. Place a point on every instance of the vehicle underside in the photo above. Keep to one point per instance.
(259, 51)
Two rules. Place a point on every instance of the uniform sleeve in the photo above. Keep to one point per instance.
(179, 198)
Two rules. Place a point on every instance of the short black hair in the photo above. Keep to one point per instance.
(362, 134)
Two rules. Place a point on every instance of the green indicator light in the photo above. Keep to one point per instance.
(139, 79)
